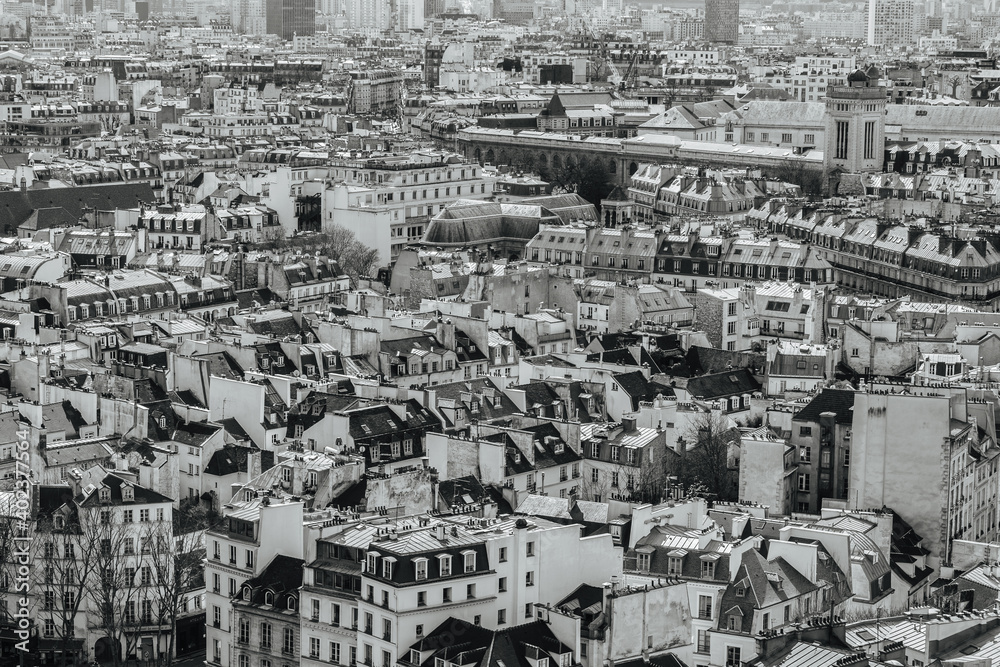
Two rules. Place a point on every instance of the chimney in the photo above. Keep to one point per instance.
(439, 532)
(628, 424)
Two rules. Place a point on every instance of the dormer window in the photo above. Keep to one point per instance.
(470, 561)
(268, 598)
(372, 562)
(291, 603)
(105, 495)
(246, 593)
(128, 494)
(642, 562)
(444, 562)
(387, 564)
(675, 562)
(420, 567)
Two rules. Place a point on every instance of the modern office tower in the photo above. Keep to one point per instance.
(722, 21)
(890, 22)
(288, 18)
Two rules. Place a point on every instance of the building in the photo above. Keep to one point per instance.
(928, 453)
(115, 526)
(290, 18)
(821, 431)
(722, 21)
(389, 201)
(376, 90)
(855, 125)
(238, 552)
(891, 23)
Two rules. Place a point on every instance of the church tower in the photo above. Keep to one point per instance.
(855, 126)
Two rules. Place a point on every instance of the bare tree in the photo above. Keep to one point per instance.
(115, 590)
(707, 446)
(953, 82)
(65, 567)
(176, 554)
(646, 480)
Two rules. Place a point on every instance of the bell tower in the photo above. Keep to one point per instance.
(855, 126)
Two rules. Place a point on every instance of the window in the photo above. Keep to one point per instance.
(708, 569)
(733, 656)
(446, 595)
(501, 616)
(314, 648)
(421, 598)
(265, 635)
(703, 642)
(288, 641)
(244, 632)
(805, 431)
(705, 607)
(529, 579)
(529, 549)
(805, 454)
(470, 591)
(503, 554)
(334, 652)
(244, 661)
(502, 584)
(421, 568)
(445, 565)
(803, 481)
(470, 561)
(527, 610)
(842, 131)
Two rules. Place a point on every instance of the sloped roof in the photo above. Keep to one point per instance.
(17, 206)
(837, 401)
(468, 222)
(719, 385)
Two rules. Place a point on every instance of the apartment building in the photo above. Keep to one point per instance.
(388, 201)
(112, 526)
(926, 452)
(253, 534)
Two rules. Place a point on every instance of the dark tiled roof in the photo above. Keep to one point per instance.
(222, 365)
(232, 459)
(378, 420)
(463, 491)
(637, 387)
(720, 385)
(282, 577)
(143, 496)
(537, 393)
(246, 298)
(17, 206)
(837, 401)
(194, 433)
(711, 360)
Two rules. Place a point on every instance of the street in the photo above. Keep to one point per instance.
(191, 660)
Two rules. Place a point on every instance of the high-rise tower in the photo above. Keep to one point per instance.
(722, 21)
(855, 125)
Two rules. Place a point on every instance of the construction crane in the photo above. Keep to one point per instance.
(628, 81)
